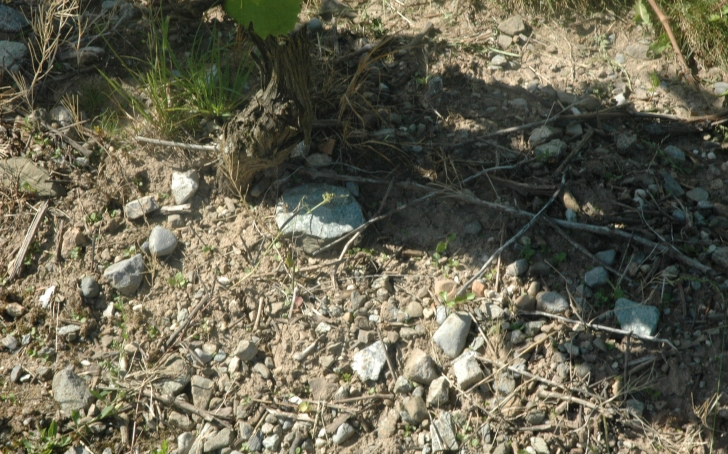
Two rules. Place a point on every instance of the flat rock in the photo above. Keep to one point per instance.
(368, 362)
(551, 151)
(71, 391)
(674, 153)
(387, 425)
(9, 342)
(140, 207)
(201, 390)
(438, 393)
(525, 302)
(184, 185)
(596, 277)
(162, 242)
(452, 334)
(635, 317)
(698, 195)
(442, 434)
(420, 368)
(607, 257)
(551, 302)
(543, 134)
(22, 174)
(467, 370)
(539, 445)
(317, 213)
(184, 442)
(512, 26)
(504, 383)
(517, 268)
(180, 373)
(222, 439)
(12, 55)
(415, 410)
(672, 187)
(343, 433)
(637, 51)
(11, 20)
(126, 275)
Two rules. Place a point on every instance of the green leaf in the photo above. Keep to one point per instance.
(441, 247)
(659, 46)
(642, 14)
(269, 17)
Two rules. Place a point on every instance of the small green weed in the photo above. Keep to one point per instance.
(47, 441)
(178, 280)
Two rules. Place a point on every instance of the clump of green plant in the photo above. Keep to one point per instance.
(440, 249)
(46, 441)
(178, 280)
(176, 92)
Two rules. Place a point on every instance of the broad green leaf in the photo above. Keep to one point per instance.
(659, 46)
(269, 17)
(642, 14)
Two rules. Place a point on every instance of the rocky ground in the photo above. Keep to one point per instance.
(144, 310)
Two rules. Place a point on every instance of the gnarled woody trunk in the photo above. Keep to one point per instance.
(278, 117)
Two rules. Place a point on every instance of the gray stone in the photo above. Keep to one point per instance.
(12, 54)
(636, 317)
(318, 160)
(590, 103)
(438, 393)
(493, 311)
(89, 287)
(637, 51)
(596, 277)
(720, 257)
(498, 60)
(413, 309)
(698, 195)
(504, 41)
(184, 442)
(21, 174)
(624, 140)
(68, 329)
(272, 442)
(451, 335)
(551, 302)
(262, 370)
(180, 421)
(126, 275)
(255, 442)
(517, 268)
(202, 389)
(420, 368)
(467, 370)
(517, 337)
(504, 383)
(442, 434)
(179, 373)
(15, 373)
(184, 185)
(539, 445)
(551, 151)
(246, 350)
(574, 130)
(503, 449)
(720, 88)
(162, 241)
(672, 187)
(315, 25)
(674, 153)
(175, 221)
(317, 213)
(414, 410)
(368, 362)
(535, 417)
(635, 407)
(71, 391)
(140, 207)
(402, 385)
(11, 20)
(222, 439)
(343, 433)
(525, 302)
(542, 134)
(440, 314)
(607, 257)
(9, 342)
(512, 26)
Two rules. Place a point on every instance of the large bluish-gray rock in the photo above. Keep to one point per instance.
(316, 214)
(11, 20)
(71, 391)
(162, 241)
(596, 277)
(451, 335)
(636, 317)
(126, 275)
(12, 55)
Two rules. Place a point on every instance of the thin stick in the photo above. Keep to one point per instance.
(168, 143)
(29, 234)
(59, 242)
(257, 317)
(675, 46)
(512, 240)
(599, 327)
(293, 302)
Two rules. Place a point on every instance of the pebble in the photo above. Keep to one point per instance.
(202, 390)
(9, 342)
(89, 287)
(674, 153)
(452, 334)
(635, 407)
(504, 384)
(517, 337)
(499, 60)
(517, 268)
(607, 257)
(126, 275)
(387, 425)
(246, 350)
(184, 185)
(720, 257)
(698, 195)
(467, 370)
(551, 302)
(539, 445)
(512, 26)
(402, 385)
(315, 25)
(440, 314)
(442, 434)
(184, 442)
(272, 442)
(368, 362)
(15, 373)
(140, 207)
(596, 277)
(255, 442)
(635, 317)
(175, 221)
(438, 393)
(550, 151)
(262, 370)
(415, 410)
(420, 368)
(222, 439)
(672, 187)
(525, 302)
(414, 309)
(70, 391)
(162, 242)
(343, 433)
